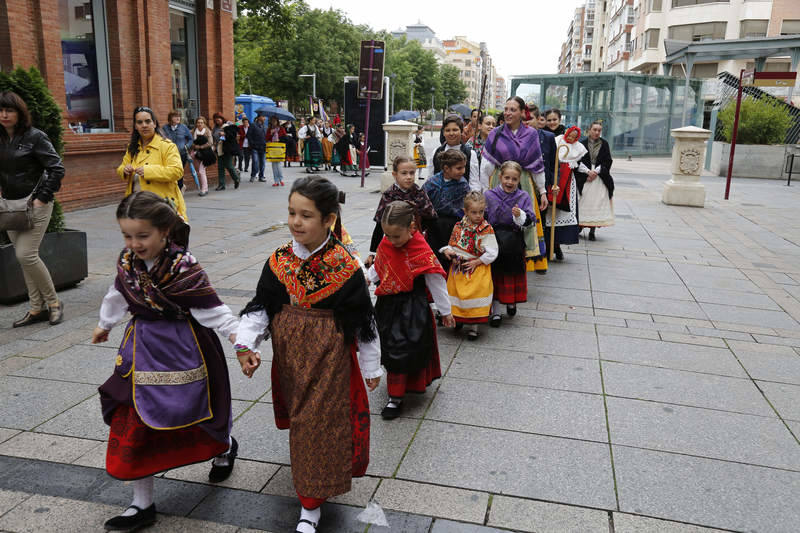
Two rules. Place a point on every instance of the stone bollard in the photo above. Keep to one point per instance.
(688, 154)
(399, 143)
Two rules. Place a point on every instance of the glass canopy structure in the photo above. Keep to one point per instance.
(638, 111)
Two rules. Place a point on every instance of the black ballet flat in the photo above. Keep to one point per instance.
(511, 310)
(495, 321)
(304, 521)
(472, 335)
(219, 474)
(142, 518)
(390, 413)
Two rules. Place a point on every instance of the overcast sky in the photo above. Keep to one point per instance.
(524, 36)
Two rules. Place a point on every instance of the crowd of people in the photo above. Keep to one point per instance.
(454, 252)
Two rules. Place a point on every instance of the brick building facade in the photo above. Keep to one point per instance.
(102, 58)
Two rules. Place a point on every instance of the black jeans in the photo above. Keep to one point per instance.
(245, 156)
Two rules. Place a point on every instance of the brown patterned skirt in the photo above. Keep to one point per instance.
(319, 395)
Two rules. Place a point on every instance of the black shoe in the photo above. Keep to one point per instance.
(308, 170)
(252, 179)
(262, 180)
(472, 335)
(511, 309)
(495, 321)
(559, 253)
(56, 315)
(389, 412)
(31, 318)
(236, 183)
(221, 473)
(220, 188)
(459, 326)
(204, 193)
(142, 518)
(304, 521)
(591, 235)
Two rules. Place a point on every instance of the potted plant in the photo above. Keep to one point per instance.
(760, 148)
(62, 250)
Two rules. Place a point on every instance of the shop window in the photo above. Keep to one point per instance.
(84, 52)
(749, 29)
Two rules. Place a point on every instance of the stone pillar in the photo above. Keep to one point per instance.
(398, 143)
(684, 188)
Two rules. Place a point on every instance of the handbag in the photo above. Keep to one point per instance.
(16, 215)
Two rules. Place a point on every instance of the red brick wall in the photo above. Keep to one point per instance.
(140, 67)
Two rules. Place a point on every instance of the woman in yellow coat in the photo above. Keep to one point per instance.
(151, 162)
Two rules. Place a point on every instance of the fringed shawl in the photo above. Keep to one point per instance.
(523, 147)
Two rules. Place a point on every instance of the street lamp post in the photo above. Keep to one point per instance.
(313, 83)
(433, 109)
(393, 76)
(411, 105)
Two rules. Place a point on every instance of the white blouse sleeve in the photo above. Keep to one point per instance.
(113, 309)
(538, 179)
(475, 173)
(487, 169)
(369, 356)
(520, 220)
(438, 287)
(252, 329)
(490, 250)
(372, 275)
(219, 318)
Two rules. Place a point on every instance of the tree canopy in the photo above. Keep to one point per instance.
(277, 40)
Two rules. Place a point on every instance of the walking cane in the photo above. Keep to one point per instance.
(554, 189)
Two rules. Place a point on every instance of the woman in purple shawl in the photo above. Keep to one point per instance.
(168, 401)
(514, 141)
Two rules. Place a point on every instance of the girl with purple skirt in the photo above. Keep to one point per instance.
(168, 402)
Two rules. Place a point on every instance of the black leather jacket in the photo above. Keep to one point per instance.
(25, 160)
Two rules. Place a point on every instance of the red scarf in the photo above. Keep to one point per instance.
(398, 267)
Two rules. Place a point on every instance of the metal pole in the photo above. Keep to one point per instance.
(411, 106)
(364, 149)
(314, 85)
(733, 136)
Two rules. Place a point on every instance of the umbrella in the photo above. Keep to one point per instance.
(275, 111)
(404, 115)
(461, 109)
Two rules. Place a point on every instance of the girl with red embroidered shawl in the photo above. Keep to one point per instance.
(472, 248)
(405, 267)
(312, 298)
(168, 401)
(509, 210)
(566, 192)
(515, 141)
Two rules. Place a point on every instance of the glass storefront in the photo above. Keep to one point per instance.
(183, 64)
(84, 54)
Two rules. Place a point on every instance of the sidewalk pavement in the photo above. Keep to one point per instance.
(651, 383)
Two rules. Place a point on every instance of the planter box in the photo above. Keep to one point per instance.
(63, 253)
(751, 160)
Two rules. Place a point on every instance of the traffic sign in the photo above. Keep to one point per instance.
(370, 70)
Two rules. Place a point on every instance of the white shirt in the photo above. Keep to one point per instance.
(436, 284)
(253, 329)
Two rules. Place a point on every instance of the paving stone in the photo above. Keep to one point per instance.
(531, 410)
(179, 524)
(361, 491)
(777, 341)
(744, 315)
(52, 479)
(767, 362)
(558, 295)
(515, 464)
(670, 355)
(536, 313)
(10, 499)
(414, 405)
(645, 304)
(641, 288)
(785, 398)
(703, 432)
(745, 328)
(46, 447)
(94, 458)
(173, 497)
(627, 332)
(15, 347)
(69, 325)
(244, 388)
(573, 325)
(720, 334)
(607, 320)
(448, 526)
(26, 403)
(706, 491)
(656, 326)
(11, 365)
(45, 514)
(258, 437)
(738, 298)
(388, 442)
(692, 339)
(628, 523)
(542, 517)
(79, 364)
(432, 500)
(246, 475)
(681, 320)
(533, 370)
(684, 388)
(627, 315)
(85, 420)
(540, 340)
(6, 434)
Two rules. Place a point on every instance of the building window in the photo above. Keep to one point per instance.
(651, 38)
(183, 51)
(682, 3)
(655, 5)
(84, 52)
(704, 70)
(790, 27)
(698, 32)
(749, 29)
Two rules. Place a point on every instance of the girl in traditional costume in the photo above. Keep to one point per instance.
(327, 145)
(596, 202)
(169, 400)
(472, 249)
(477, 143)
(452, 129)
(347, 152)
(447, 190)
(406, 269)
(291, 143)
(509, 210)
(403, 189)
(334, 138)
(312, 148)
(514, 141)
(565, 192)
(419, 151)
(312, 298)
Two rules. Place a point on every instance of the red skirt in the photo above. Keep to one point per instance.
(510, 289)
(398, 384)
(136, 450)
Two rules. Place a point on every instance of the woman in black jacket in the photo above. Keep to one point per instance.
(30, 165)
(596, 206)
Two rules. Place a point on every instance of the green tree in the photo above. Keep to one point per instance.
(761, 121)
(452, 85)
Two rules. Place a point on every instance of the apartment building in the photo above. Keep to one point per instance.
(500, 92)
(572, 49)
(425, 36)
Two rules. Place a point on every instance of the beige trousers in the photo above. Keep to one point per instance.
(41, 291)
